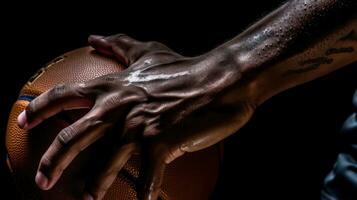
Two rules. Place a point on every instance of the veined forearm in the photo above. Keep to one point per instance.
(300, 41)
(329, 54)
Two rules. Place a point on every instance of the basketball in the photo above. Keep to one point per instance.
(190, 177)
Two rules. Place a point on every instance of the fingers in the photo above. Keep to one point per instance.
(154, 180)
(59, 98)
(123, 47)
(98, 188)
(126, 49)
(66, 146)
(134, 125)
(155, 168)
(101, 44)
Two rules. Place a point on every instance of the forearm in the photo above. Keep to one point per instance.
(300, 41)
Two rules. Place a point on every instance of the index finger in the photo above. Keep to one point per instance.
(61, 97)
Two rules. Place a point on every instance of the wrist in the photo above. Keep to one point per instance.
(242, 86)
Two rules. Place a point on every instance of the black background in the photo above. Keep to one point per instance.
(282, 153)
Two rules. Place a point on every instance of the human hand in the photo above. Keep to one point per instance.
(168, 105)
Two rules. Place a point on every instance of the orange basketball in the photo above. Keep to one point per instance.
(193, 176)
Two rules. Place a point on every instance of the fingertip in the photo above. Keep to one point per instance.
(23, 123)
(87, 196)
(151, 190)
(100, 44)
(22, 120)
(42, 181)
(93, 38)
(152, 195)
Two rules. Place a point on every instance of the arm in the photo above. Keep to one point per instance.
(164, 100)
(298, 42)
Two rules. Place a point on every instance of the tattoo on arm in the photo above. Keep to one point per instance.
(352, 36)
(314, 63)
(309, 65)
(339, 50)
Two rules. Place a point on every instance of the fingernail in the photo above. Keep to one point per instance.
(87, 196)
(22, 120)
(41, 181)
(95, 37)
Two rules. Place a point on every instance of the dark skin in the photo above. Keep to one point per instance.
(164, 100)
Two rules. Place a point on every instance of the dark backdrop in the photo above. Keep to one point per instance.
(282, 153)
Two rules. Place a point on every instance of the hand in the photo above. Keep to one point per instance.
(166, 103)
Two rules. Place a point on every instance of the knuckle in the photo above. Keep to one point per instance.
(121, 39)
(31, 108)
(46, 162)
(95, 87)
(151, 130)
(133, 122)
(91, 119)
(113, 38)
(154, 45)
(50, 166)
(136, 112)
(56, 92)
(117, 36)
(81, 89)
(133, 129)
(110, 80)
(112, 101)
(66, 135)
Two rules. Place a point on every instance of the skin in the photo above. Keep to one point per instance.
(164, 100)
